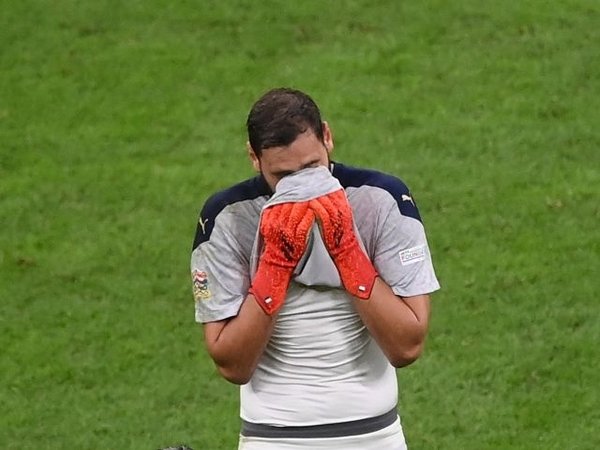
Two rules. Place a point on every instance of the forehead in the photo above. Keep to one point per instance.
(305, 148)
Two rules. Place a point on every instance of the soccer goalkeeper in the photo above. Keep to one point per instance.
(312, 286)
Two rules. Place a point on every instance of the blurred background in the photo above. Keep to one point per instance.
(119, 119)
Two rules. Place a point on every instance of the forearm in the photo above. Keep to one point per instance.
(398, 325)
(237, 344)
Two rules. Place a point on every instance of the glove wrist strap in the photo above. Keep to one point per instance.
(356, 272)
(269, 287)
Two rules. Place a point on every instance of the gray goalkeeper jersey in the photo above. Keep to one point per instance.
(321, 364)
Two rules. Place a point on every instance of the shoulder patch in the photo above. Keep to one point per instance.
(200, 285)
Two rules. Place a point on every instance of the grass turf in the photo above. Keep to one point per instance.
(118, 120)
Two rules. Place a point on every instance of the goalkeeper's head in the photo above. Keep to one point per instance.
(279, 116)
(286, 134)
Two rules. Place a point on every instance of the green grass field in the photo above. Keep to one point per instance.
(118, 119)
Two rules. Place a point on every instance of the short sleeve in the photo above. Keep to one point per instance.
(219, 263)
(402, 257)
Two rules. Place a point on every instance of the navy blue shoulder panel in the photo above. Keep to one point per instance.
(355, 177)
(246, 190)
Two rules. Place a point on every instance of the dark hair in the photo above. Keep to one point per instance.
(279, 116)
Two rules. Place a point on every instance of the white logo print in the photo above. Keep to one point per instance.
(412, 255)
(202, 223)
(407, 198)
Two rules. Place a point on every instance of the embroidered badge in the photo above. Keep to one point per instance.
(200, 284)
(412, 255)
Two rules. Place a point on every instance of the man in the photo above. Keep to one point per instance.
(315, 360)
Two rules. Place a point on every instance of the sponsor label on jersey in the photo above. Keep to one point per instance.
(412, 255)
(200, 285)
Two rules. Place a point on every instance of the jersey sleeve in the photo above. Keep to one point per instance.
(402, 257)
(219, 266)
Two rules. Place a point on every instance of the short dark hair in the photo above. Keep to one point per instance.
(279, 116)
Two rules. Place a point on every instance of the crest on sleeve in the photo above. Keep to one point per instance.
(200, 285)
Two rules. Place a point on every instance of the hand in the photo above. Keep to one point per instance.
(337, 228)
(284, 228)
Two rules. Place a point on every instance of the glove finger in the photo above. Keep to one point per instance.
(266, 220)
(335, 203)
(327, 224)
(272, 217)
(341, 226)
(297, 212)
(288, 214)
(304, 226)
(282, 210)
(334, 210)
(339, 208)
(321, 213)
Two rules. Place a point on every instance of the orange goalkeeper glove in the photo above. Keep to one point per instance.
(284, 228)
(337, 228)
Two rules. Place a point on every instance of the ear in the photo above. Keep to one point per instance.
(253, 158)
(327, 137)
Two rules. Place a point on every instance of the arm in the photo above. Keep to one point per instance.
(236, 344)
(399, 325)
